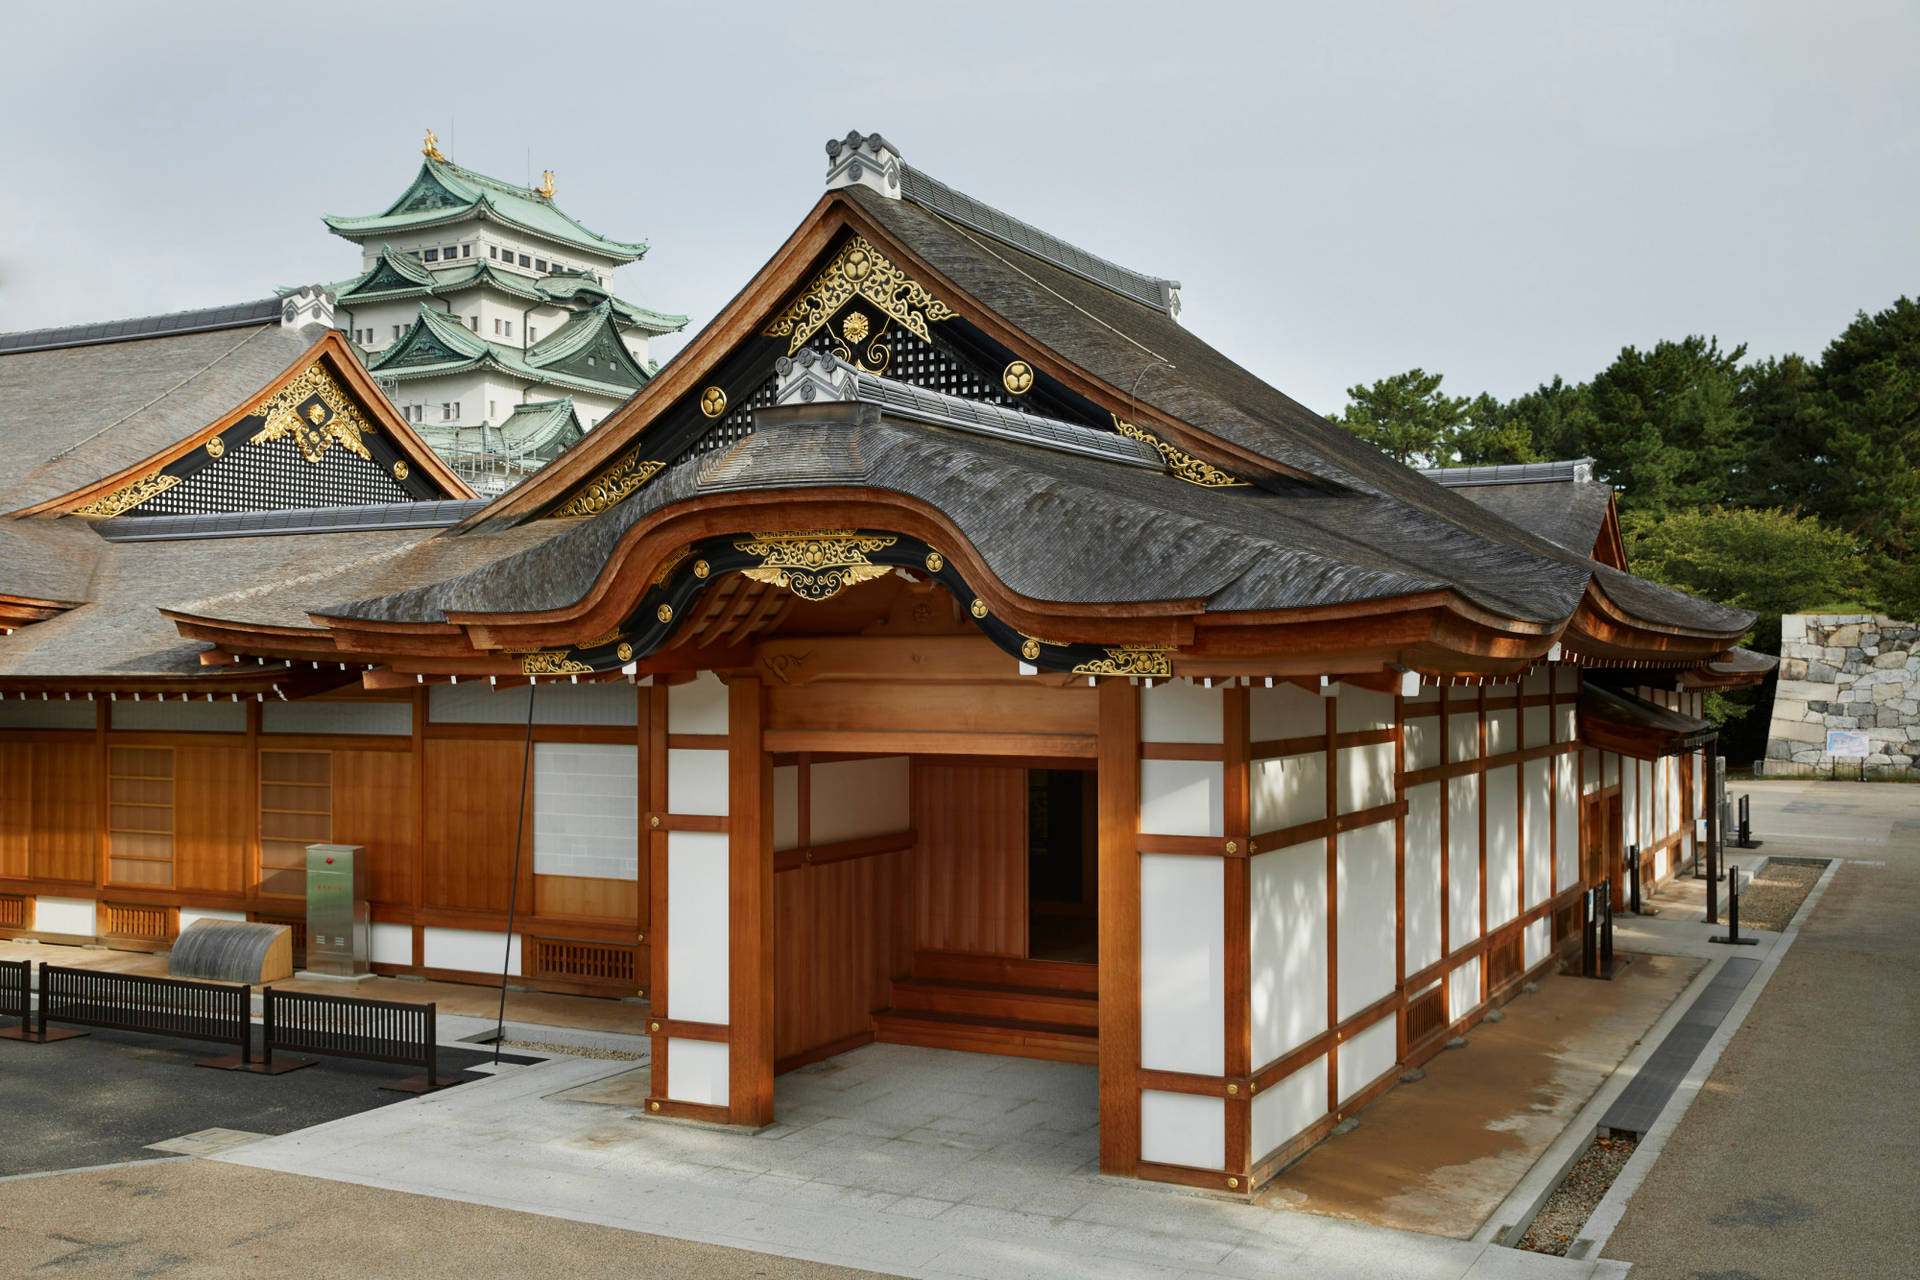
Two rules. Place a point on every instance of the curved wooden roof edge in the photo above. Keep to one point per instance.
(1424, 631)
(332, 348)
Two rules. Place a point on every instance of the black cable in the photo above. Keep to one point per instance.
(513, 887)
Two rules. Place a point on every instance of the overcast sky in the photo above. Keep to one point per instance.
(1500, 192)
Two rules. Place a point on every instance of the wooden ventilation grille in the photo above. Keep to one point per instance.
(1427, 1014)
(1503, 963)
(296, 810)
(13, 911)
(297, 929)
(141, 923)
(571, 960)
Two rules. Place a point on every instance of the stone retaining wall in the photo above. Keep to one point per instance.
(1846, 671)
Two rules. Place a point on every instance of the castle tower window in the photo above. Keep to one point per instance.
(533, 334)
(473, 322)
(466, 251)
(496, 326)
(525, 261)
(432, 255)
(492, 252)
(539, 264)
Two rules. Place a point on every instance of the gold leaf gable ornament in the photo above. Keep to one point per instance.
(858, 271)
(329, 417)
(815, 564)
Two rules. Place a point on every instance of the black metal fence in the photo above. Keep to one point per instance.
(353, 1027)
(176, 1007)
(15, 975)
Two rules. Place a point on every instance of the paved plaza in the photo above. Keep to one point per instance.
(916, 1162)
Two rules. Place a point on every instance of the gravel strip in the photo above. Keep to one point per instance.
(1575, 1199)
(1769, 902)
(571, 1050)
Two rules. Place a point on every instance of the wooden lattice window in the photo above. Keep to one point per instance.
(14, 912)
(1427, 1014)
(296, 810)
(140, 816)
(1503, 962)
(574, 960)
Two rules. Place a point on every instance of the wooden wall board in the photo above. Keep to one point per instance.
(373, 801)
(970, 865)
(472, 789)
(213, 818)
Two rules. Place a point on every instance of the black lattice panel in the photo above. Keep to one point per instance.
(273, 476)
(915, 362)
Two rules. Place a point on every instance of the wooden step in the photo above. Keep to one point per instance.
(1055, 1042)
(1047, 975)
(996, 1001)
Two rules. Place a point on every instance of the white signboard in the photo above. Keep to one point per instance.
(1843, 743)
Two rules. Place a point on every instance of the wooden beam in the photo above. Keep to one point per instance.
(750, 911)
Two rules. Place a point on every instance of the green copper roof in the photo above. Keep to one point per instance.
(438, 343)
(396, 275)
(444, 192)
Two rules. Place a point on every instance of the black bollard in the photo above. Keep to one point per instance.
(1588, 963)
(1633, 883)
(1733, 938)
(1606, 931)
(1746, 823)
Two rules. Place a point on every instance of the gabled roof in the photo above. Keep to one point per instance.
(542, 429)
(238, 315)
(444, 192)
(95, 423)
(1559, 501)
(438, 343)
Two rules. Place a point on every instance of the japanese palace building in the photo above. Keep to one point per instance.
(948, 648)
(488, 315)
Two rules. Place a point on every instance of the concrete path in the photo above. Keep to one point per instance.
(1798, 1158)
(206, 1221)
(909, 1162)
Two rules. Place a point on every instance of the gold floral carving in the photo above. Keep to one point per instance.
(855, 327)
(333, 419)
(610, 486)
(815, 564)
(552, 662)
(1184, 466)
(673, 561)
(858, 271)
(1129, 660)
(128, 496)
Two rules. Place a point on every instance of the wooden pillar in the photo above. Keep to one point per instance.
(1118, 780)
(1236, 882)
(750, 914)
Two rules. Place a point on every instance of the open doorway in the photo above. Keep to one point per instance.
(1062, 866)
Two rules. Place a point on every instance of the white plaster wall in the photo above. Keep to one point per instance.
(64, 915)
(1288, 1108)
(1503, 846)
(1366, 916)
(1539, 726)
(697, 1070)
(468, 950)
(1647, 800)
(696, 781)
(1662, 798)
(786, 807)
(1566, 679)
(1184, 1129)
(1463, 735)
(1537, 779)
(390, 944)
(1366, 777)
(1179, 711)
(1359, 710)
(1538, 680)
(1463, 861)
(1463, 989)
(52, 714)
(1367, 1056)
(1287, 973)
(696, 929)
(1183, 989)
(1502, 732)
(586, 810)
(1423, 854)
(1611, 761)
(698, 706)
(1289, 790)
(477, 702)
(853, 799)
(1285, 711)
(1566, 723)
(1537, 942)
(1566, 820)
(393, 719)
(1420, 738)
(1182, 797)
(179, 717)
